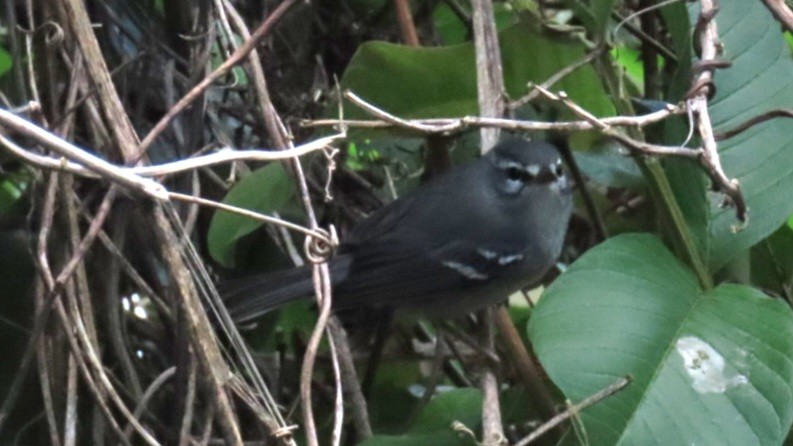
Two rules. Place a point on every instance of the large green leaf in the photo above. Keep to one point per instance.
(709, 367)
(433, 426)
(772, 262)
(426, 82)
(265, 190)
(761, 158)
(601, 10)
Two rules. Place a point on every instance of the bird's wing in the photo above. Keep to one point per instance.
(408, 275)
(251, 297)
(379, 224)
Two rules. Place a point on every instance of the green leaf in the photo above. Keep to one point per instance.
(677, 23)
(760, 158)
(610, 168)
(12, 189)
(5, 61)
(689, 184)
(630, 59)
(431, 82)
(772, 262)
(265, 190)
(601, 10)
(709, 367)
(448, 25)
(433, 426)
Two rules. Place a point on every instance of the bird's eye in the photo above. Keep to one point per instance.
(557, 169)
(514, 174)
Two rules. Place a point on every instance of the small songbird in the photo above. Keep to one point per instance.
(460, 242)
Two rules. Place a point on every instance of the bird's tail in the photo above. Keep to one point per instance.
(251, 297)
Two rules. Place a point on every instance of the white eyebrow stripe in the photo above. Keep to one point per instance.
(467, 271)
(533, 169)
(506, 164)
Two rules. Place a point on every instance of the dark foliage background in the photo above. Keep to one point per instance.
(661, 283)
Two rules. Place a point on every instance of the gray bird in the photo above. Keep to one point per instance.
(460, 242)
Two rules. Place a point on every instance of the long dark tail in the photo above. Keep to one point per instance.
(251, 297)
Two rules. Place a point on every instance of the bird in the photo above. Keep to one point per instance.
(460, 242)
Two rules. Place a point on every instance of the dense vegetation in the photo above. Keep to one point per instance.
(670, 312)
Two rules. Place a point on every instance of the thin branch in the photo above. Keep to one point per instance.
(251, 214)
(307, 369)
(527, 370)
(575, 409)
(558, 76)
(155, 385)
(707, 33)
(254, 63)
(753, 121)
(189, 404)
(451, 125)
(250, 44)
(640, 34)
(707, 157)
(70, 422)
(338, 405)
(394, 120)
(781, 12)
(93, 163)
(121, 129)
(406, 25)
(492, 425)
(489, 73)
(350, 381)
(43, 305)
(85, 164)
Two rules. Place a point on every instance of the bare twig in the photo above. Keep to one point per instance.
(155, 385)
(123, 133)
(189, 405)
(406, 25)
(781, 12)
(527, 371)
(269, 115)
(317, 250)
(451, 125)
(70, 423)
(262, 31)
(307, 369)
(492, 428)
(710, 51)
(558, 76)
(753, 121)
(81, 162)
(251, 214)
(489, 76)
(575, 409)
(99, 394)
(338, 405)
(641, 35)
(43, 304)
(351, 384)
(93, 163)
(708, 158)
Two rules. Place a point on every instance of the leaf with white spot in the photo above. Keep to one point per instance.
(709, 367)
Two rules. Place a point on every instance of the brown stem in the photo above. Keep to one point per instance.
(406, 25)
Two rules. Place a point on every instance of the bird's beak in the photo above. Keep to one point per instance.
(562, 185)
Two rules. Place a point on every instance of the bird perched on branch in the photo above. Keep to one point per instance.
(460, 242)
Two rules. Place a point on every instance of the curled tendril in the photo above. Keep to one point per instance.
(319, 249)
